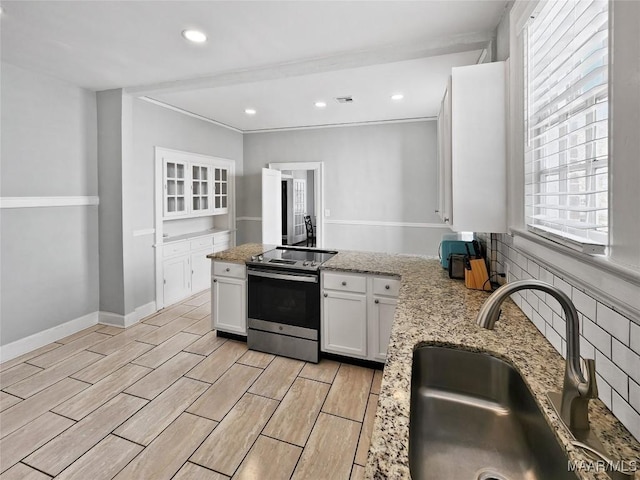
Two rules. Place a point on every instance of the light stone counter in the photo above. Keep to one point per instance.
(435, 310)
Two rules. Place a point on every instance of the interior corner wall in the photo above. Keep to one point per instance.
(48, 254)
(380, 183)
(154, 125)
(112, 291)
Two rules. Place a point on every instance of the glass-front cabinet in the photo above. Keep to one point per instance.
(193, 189)
(175, 174)
(200, 188)
(221, 195)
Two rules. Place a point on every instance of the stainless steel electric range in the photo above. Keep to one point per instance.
(284, 301)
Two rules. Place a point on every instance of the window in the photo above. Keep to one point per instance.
(566, 65)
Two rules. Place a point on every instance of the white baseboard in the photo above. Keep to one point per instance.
(145, 310)
(40, 339)
(124, 321)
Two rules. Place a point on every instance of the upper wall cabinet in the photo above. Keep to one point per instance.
(472, 149)
(194, 188)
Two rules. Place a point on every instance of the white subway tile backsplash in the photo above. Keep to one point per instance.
(544, 309)
(634, 395)
(546, 276)
(554, 338)
(613, 323)
(612, 374)
(562, 285)
(609, 337)
(604, 391)
(553, 304)
(586, 349)
(539, 322)
(533, 268)
(596, 336)
(559, 325)
(634, 341)
(584, 303)
(627, 415)
(626, 359)
(532, 299)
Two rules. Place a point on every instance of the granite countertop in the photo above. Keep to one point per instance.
(435, 310)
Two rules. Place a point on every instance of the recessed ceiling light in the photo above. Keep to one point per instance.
(250, 111)
(397, 96)
(321, 104)
(194, 36)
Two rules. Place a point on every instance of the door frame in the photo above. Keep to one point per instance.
(318, 193)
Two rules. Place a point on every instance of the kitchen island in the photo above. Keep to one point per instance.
(435, 310)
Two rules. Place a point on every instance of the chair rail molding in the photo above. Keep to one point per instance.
(58, 201)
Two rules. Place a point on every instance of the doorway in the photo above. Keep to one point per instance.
(307, 177)
(297, 203)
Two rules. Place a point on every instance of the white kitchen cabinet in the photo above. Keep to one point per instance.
(381, 312)
(177, 278)
(357, 314)
(345, 323)
(194, 189)
(472, 149)
(229, 297)
(200, 188)
(221, 190)
(175, 187)
(200, 270)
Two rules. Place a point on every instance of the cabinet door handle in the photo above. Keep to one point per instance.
(326, 294)
(214, 280)
(446, 219)
(387, 287)
(344, 284)
(376, 301)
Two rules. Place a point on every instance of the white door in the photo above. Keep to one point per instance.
(271, 207)
(299, 209)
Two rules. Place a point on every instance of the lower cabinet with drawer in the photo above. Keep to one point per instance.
(229, 297)
(186, 268)
(357, 314)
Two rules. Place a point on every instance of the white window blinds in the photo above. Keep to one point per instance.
(566, 98)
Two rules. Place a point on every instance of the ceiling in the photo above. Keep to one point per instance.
(278, 57)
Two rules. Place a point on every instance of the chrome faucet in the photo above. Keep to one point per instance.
(573, 404)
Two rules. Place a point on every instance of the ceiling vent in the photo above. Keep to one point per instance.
(347, 99)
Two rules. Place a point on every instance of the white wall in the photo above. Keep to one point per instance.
(606, 292)
(377, 180)
(49, 255)
(152, 126)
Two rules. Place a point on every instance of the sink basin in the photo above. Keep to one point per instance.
(473, 417)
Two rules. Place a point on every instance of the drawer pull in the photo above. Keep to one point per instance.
(344, 284)
(387, 287)
(376, 301)
(215, 280)
(227, 269)
(326, 294)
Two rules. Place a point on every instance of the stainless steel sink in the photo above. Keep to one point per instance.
(473, 417)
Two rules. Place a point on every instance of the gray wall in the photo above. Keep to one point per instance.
(49, 255)
(373, 173)
(157, 126)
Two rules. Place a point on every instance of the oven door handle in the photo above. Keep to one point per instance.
(284, 276)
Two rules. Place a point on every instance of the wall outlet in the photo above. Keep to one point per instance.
(327, 212)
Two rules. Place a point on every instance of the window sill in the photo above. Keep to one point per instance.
(611, 283)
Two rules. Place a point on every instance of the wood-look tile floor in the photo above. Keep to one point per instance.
(167, 399)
